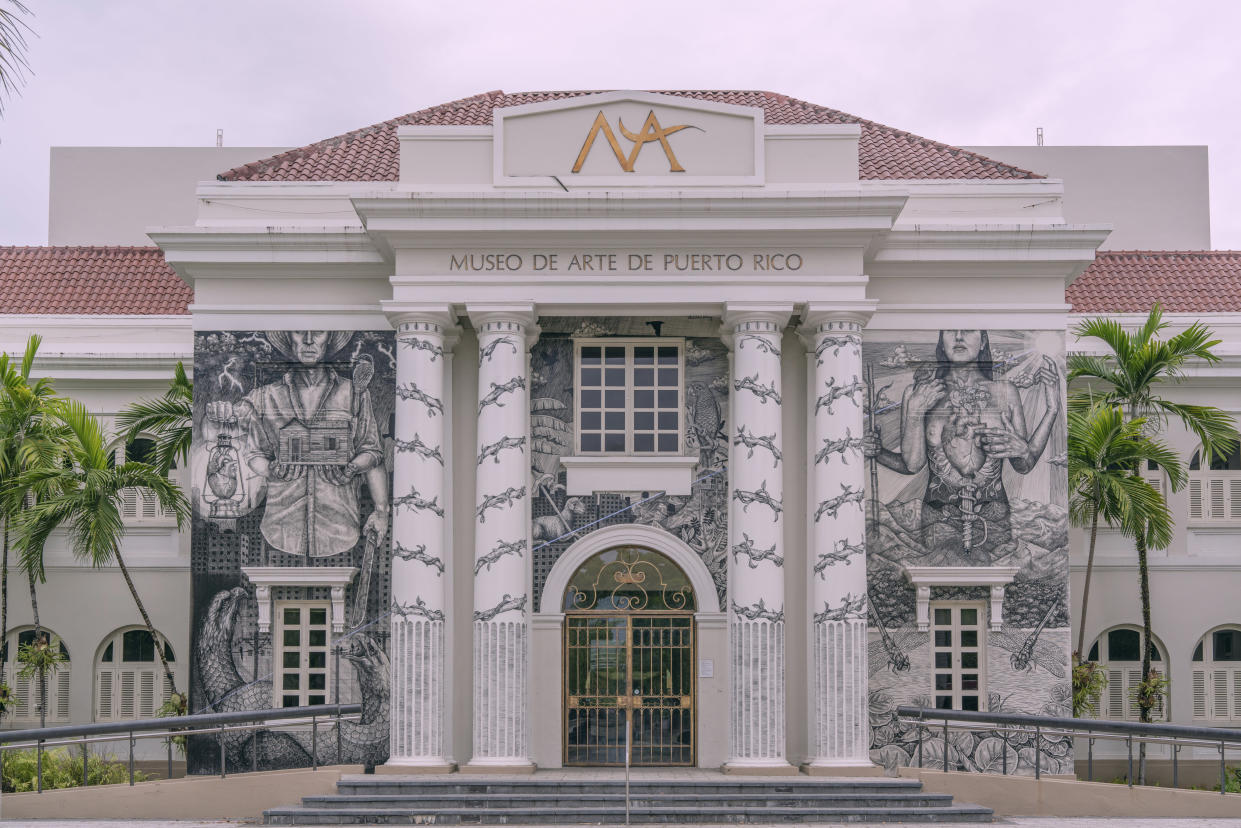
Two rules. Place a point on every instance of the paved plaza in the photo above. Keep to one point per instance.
(1020, 822)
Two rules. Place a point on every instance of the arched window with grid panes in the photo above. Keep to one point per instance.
(26, 710)
(1119, 650)
(129, 679)
(139, 505)
(1217, 676)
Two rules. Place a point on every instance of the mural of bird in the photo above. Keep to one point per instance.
(706, 424)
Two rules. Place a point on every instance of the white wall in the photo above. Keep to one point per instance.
(110, 195)
(1156, 197)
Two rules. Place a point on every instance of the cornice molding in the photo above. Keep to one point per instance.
(720, 210)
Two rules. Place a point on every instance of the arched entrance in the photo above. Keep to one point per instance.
(629, 643)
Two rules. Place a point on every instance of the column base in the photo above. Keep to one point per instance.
(772, 769)
(517, 768)
(416, 769)
(850, 768)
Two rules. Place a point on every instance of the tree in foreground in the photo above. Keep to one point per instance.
(31, 437)
(83, 497)
(1102, 449)
(1134, 368)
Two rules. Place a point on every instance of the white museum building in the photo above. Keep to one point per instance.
(743, 420)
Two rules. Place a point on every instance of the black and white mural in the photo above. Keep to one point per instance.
(292, 468)
(700, 519)
(965, 443)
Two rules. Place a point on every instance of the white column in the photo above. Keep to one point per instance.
(756, 541)
(420, 554)
(840, 732)
(502, 570)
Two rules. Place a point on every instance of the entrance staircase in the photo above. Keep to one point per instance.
(593, 797)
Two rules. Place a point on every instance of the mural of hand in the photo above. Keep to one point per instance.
(1003, 441)
(926, 395)
(222, 413)
(376, 525)
(872, 443)
(1048, 378)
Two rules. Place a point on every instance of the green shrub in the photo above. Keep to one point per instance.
(1089, 680)
(61, 769)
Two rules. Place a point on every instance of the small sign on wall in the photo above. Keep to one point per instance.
(706, 668)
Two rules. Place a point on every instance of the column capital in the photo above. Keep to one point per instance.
(513, 313)
(770, 316)
(858, 311)
(410, 317)
(824, 317)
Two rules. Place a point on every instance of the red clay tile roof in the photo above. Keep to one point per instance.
(90, 281)
(1184, 281)
(371, 153)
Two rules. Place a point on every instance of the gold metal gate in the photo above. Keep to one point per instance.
(637, 663)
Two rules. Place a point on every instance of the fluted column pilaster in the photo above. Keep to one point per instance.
(756, 540)
(420, 555)
(838, 715)
(502, 570)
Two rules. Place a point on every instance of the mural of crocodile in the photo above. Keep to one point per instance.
(364, 741)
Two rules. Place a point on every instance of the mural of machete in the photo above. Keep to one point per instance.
(700, 518)
(292, 461)
(965, 445)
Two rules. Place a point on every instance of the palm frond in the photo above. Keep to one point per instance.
(13, 65)
(1215, 429)
(169, 419)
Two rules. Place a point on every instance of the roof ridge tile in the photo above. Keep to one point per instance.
(882, 155)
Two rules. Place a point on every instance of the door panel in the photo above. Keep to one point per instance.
(640, 664)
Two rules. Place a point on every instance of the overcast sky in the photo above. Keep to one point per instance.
(288, 72)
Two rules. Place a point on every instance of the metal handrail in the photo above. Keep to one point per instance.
(1177, 736)
(173, 726)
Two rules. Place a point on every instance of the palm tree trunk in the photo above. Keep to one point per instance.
(38, 636)
(1144, 588)
(146, 619)
(4, 602)
(1094, 534)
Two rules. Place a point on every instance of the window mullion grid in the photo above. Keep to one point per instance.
(630, 427)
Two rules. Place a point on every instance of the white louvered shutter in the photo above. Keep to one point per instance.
(146, 694)
(1133, 680)
(1217, 499)
(129, 503)
(1115, 694)
(128, 685)
(62, 694)
(1234, 498)
(1219, 694)
(1195, 498)
(24, 687)
(103, 695)
(1200, 694)
(1236, 693)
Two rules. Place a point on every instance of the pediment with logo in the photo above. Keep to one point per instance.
(628, 139)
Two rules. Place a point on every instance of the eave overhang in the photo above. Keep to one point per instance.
(272, 252)
(989, 250)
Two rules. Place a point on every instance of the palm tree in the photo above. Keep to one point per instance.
(30, 438)
(169, 418)
(1133, 370)
(13, 65)
(1102, 448)
(84, 498)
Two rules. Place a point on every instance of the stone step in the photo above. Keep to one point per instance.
(384, 784)
(492, 800)
(614, 815)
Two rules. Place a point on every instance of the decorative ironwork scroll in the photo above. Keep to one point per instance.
(628, 579)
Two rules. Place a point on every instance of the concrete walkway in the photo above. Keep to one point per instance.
(1018, 822)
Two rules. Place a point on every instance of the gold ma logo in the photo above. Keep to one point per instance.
(651, 131)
